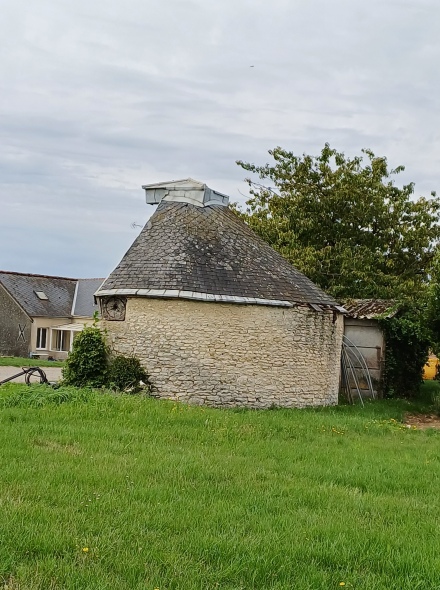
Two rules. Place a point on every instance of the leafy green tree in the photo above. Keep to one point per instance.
(344, 222)
(433, 304)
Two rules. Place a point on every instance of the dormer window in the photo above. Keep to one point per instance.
(41, 295)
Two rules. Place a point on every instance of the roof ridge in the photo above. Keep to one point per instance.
(28, 274)
(189, 179)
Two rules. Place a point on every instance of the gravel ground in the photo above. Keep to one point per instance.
(52, 373)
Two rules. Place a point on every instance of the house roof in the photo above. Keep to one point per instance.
(50, 296)
(207, 252)
(370, 309)
(84, 302)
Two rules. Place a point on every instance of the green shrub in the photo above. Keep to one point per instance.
(126, 372)
(87, 363)
(407, 341)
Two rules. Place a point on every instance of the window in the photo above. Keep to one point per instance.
(41, 337)
(41, 295)
(60, 340)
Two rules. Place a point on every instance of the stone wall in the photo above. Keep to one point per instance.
(233, 355)
(15, 327)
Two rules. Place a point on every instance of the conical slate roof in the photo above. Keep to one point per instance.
(208, 253)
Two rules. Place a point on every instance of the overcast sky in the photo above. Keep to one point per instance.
(98, 98)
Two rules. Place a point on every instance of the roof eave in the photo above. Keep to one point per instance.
(212, 297)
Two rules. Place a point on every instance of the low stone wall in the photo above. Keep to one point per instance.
(229, 355)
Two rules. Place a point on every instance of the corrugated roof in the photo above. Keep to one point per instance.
(209, 250)
(370, 309)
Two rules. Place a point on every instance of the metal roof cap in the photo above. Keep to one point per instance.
(187, 190)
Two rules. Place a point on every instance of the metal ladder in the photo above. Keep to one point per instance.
(350, 355)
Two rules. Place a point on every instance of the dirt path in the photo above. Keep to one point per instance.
(52, 373)
(423, 421)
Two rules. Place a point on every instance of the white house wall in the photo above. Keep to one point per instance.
(41, 322)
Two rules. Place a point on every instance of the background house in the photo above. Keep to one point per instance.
(217, 316)
(40, 315)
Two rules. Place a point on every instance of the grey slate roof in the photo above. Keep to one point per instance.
(209, 250)
(84, 303)
(60, 292)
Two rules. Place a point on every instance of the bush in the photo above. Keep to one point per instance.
(87, 363)
(407, 341)
(90, 365)
(126, 372)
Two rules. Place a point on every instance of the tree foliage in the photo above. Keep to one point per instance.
(344, 222)
(407, 341)
(433, 304)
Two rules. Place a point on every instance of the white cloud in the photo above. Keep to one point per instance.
(98, 98)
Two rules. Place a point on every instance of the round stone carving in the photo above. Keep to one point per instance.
(113, 309)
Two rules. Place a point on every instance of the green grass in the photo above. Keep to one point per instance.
(17, 361)
(430, 393)
(175, 497)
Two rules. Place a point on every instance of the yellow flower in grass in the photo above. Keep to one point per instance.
(85, 549)
(341, 583)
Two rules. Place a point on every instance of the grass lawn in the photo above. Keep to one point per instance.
(100, 491)
(17, 361)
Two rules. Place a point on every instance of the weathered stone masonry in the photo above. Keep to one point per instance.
(15, 327)
(233, 355)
